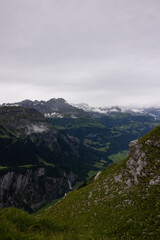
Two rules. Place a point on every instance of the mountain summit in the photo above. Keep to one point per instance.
(52, 108)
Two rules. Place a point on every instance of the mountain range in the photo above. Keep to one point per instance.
(153, 111)
(42, 143)
(52, 108)
(60, 108)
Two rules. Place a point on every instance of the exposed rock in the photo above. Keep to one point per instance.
(32, 188)
(117, 178)
(97, 175)
(137, 161)
(90, 195)
(155, 181)
(148, 142)
(128, 182)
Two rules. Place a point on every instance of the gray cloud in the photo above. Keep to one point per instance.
(98, 51)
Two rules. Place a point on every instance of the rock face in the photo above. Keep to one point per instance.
(137, 161)
(33, 188)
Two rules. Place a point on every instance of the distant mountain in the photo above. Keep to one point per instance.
(59, 108)
(52, 108)
(138, 111)
(38, 163)
(101, 110)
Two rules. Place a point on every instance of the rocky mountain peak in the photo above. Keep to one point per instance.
(52, 108)
(58, 100)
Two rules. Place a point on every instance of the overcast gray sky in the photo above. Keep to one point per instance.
(102, 52)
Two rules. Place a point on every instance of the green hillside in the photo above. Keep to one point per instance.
(38, 163)
(121, 202)
(27, 139)
(108, 136)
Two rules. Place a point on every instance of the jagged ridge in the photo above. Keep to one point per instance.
(52, 108)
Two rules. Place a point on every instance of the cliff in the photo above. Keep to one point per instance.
(32, 188)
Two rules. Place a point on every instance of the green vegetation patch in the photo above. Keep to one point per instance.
(91, 173)
(69, 123)
(3, 167)
(45, 163)
(16, 224)
(100, 164)
(118, 156)
(46, 207)
(102, 147)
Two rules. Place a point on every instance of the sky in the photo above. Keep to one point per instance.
(101, 52)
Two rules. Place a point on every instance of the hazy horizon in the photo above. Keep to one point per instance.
(100, 52)
(79, 103)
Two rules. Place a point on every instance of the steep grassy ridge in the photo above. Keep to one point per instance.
(123, 202)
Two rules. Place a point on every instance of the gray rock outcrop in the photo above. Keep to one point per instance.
(32, 188)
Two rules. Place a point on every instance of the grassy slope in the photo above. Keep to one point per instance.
(109, 207)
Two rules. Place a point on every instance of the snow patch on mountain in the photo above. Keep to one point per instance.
(53, 115)
(105, 110)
